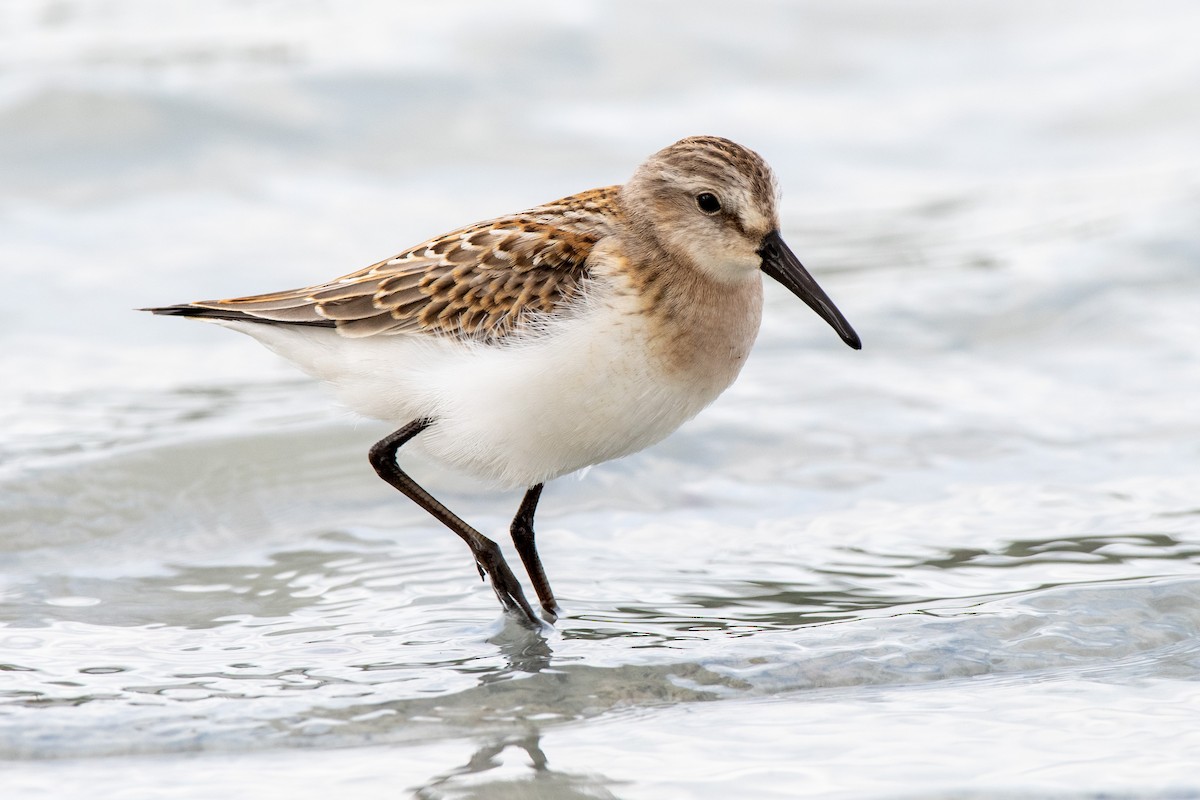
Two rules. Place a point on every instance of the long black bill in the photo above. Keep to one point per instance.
(781, 263)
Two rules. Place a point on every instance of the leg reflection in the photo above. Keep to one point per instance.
(512, 777)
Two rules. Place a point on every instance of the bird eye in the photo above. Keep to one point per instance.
(708, 202)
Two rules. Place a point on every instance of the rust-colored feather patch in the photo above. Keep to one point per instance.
(481, 282)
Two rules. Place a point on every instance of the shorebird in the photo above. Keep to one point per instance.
(532, 345)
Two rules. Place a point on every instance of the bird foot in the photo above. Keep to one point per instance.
(508, 590)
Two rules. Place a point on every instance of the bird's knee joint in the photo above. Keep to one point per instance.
(521, 529)
(382, 458)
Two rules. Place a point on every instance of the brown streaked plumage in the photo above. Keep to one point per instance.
(480, 282)
(526, 347)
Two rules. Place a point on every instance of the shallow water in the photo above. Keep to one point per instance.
(964, 562)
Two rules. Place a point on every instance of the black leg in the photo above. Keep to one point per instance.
(488, 558)
(522, 536)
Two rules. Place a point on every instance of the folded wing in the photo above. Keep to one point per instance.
(483, 281)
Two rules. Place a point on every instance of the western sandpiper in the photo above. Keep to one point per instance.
(533, 345)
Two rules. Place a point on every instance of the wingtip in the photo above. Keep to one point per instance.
(182, 310)
(204, 312)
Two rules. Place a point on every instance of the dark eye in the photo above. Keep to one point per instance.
(708, 202)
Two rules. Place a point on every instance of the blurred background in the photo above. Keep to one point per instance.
(961, 562)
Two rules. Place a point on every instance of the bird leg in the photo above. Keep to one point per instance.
(522, 536)
(488, 558)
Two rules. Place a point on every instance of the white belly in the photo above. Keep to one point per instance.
(585, 390)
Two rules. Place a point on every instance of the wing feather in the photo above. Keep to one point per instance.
(483, 281)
